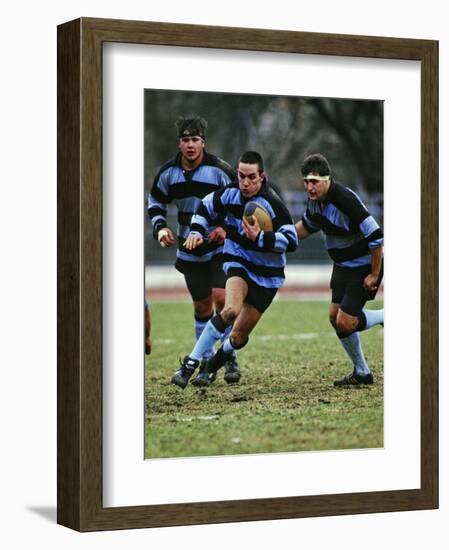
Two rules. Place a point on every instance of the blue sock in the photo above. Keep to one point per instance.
(200, 324)
(206, 341)
(373, 317)
(225, 341)
(227, 346)
(353, 348)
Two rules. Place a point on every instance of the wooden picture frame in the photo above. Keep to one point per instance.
(80, 351)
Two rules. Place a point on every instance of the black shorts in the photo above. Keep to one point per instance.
(202, 277)
(259, 297)
(347, 287)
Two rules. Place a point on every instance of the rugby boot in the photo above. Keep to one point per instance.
(182, 375)
(203, 378)
(232, 371)
(214, 363)
(355, 379)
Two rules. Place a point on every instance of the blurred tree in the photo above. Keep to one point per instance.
(359, 126)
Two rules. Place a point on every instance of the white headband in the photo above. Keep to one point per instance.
(319, 178)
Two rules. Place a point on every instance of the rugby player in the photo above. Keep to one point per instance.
(254, 263)
(354, 241)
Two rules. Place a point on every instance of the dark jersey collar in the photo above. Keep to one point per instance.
(330, 193)
(263, 191)
(205, 160)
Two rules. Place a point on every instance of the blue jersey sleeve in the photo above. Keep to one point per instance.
(157, 202)
(206, 216)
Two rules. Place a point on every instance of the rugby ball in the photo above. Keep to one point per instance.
(261, 214)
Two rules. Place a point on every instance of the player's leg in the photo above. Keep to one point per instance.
(359, 319)
(198, 283)
(196, 276)
(349, 340)
(231, 367)
(354, 315)
(351, 343)
(333, 312)
(203, 313)
(257, 300)
(214, 330)
(218, 298)
(236, 293)
(371, 317)
(247, 319)
(236, 289)
(350, 320)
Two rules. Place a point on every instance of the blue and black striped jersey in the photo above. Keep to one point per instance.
(349, 229)
(263, 259)
(186, 188)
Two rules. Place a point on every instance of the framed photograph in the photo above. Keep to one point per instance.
(162, 131)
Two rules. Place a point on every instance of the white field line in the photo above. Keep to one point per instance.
(193, 418)
(270, 337)
(283, 337)
(264, 338)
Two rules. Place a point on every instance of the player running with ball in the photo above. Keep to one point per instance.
(354, 242)
(254, 261)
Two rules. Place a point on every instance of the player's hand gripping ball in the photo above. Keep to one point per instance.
(262, 215)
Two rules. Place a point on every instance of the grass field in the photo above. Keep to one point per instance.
(285, 401)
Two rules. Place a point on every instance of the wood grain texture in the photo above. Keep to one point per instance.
(143, 32)
(429, 271)
(80, 196)
(68, 171)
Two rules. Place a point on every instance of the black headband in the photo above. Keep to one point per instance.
(191, 132)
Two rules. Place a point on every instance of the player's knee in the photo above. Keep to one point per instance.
(203, 308)
(238, 339)
(345, 324)
(218, 299)
(229, 314)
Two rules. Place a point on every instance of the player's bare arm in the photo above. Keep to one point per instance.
(251, 230)
(301, 230)
(193, 241)
(165, 237)
(370, 281)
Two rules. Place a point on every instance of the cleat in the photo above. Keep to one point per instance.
(214, 363)
(182, 375)
(355, 379)
(232, 371)
(203, 378)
